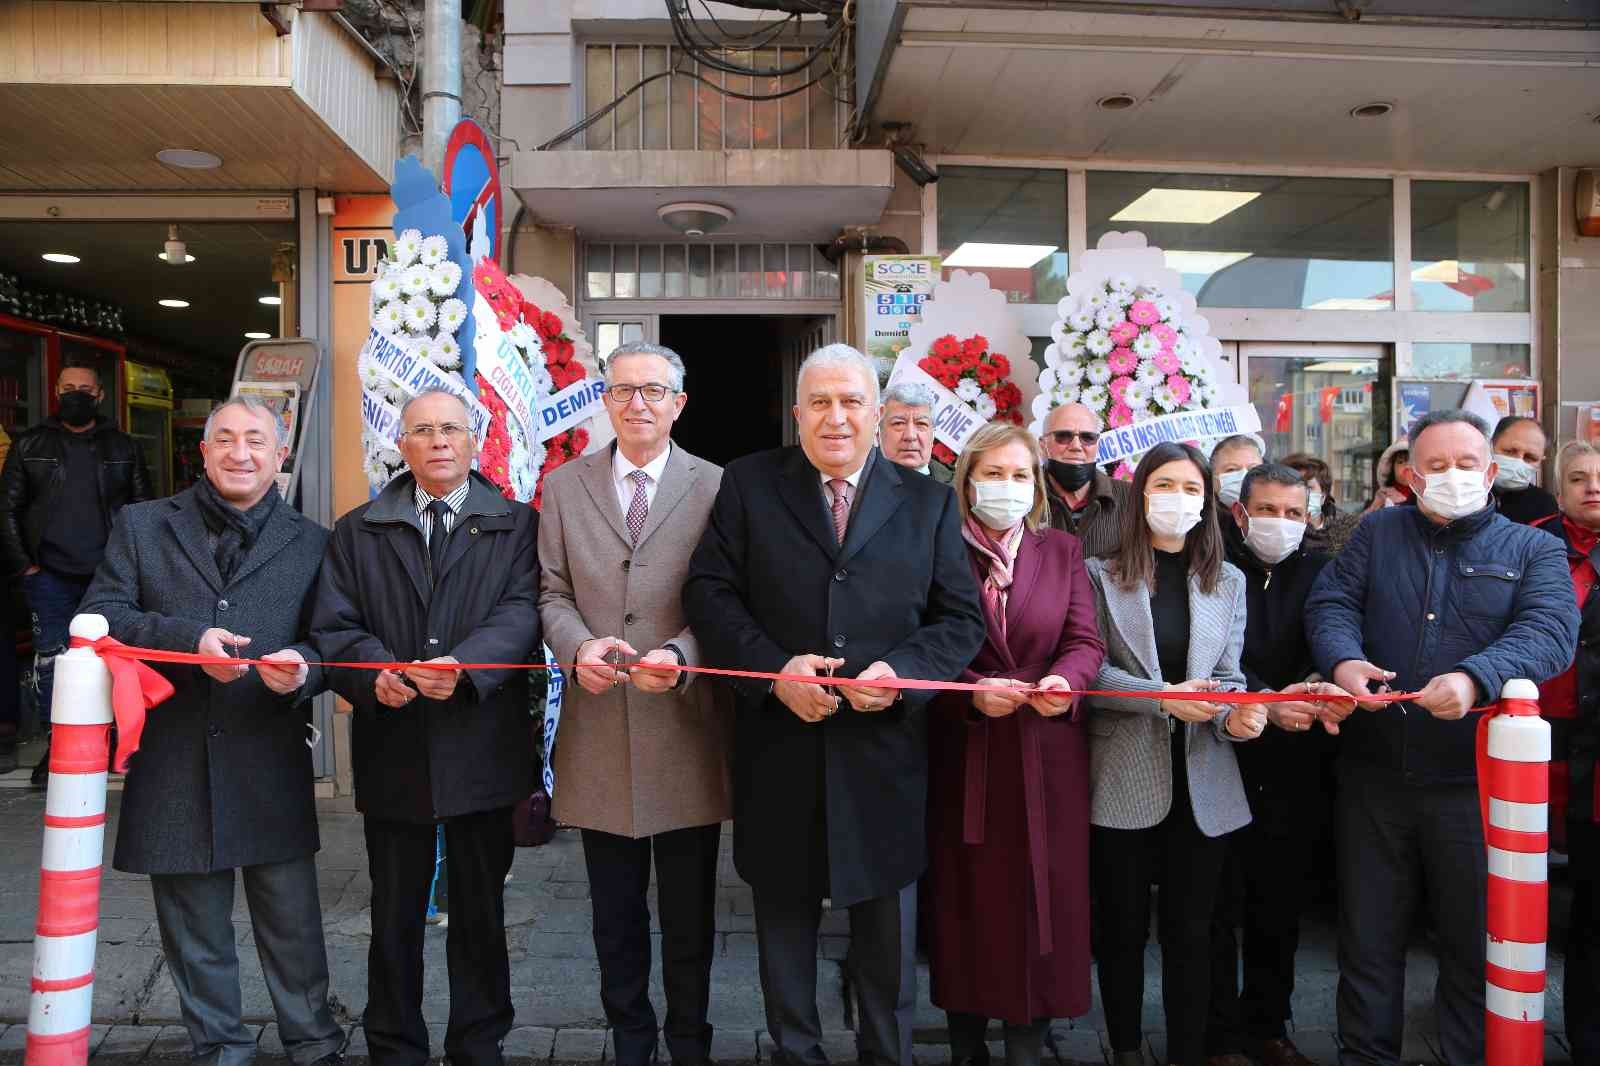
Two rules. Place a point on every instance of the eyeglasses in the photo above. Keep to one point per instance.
(622, 395)
(1063, 437)
(450, 430)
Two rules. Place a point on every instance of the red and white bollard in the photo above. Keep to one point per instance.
(1517, 787)
(74, 842)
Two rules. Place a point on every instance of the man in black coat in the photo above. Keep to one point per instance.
(1270, 858)
(828, 558)
(222, 778)
(63, 483)
(440, 568)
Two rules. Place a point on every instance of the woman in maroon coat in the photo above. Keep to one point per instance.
(1008, 822)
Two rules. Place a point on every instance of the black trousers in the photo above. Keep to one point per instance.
(686, 903)
(478, 852)
(1403, 846)
(1581, 989)
(881, 967)
(1262, 890)
(1123, 865)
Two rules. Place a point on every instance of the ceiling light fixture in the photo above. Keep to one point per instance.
(189, 158)
(1116, 102)
(1198, 207)
(175, 252)
(59, 257)
(270, 301)
(258, 336)
(1376, 109)
(187, 258)
(998, 256)
(694, 219)
(173, 303)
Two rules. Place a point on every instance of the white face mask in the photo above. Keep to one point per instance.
(1173, 514)
(1001, 504)
(1513, 474)
(1274, 539)
(1314, 502)
(1228, 486)
(1455, 493)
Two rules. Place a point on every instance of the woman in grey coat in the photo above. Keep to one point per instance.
(1164, 785)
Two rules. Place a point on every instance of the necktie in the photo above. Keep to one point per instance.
(437, 536)
(841, 506)
(639, 506)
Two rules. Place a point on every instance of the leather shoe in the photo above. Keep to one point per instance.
(1282, 1052)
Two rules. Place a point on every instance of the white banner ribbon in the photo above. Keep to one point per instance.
(415, 375)
(1212, 423)
(954, 421)
(381, 417)
(573, 404)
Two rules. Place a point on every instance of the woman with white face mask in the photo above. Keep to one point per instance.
(1008, 823)
(1164, 782)
(1519, 445)
(1329, 528)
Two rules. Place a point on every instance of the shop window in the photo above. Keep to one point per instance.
(1263, 242)
(1450, 362)
(1009, 223)
(700, 271)
(687, 108)
(1335, 407)
(1469, 245)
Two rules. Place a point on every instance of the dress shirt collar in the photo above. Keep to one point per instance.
(621, 467)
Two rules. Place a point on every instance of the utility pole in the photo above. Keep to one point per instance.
(441, 79)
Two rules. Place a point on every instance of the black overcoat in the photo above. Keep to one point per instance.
(837, 808)
(434, 759)
(223, 773)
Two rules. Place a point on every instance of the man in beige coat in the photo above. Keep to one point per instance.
(642, 759)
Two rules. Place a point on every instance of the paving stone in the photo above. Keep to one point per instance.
(578, 1045)
(838, 1045)
(126, 1043)
(172, 1042)
(740, 946)
(13, 1038)
(570, 890)
(1074, 1046)
(531, 1042)
(356, 1046)
(546, 945)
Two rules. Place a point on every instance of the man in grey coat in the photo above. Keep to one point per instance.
(222, 778)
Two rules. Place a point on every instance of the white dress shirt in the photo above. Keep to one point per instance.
(622, 469)
(853, 479)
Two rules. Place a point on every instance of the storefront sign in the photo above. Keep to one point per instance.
(1213, 423)
(575, 403)
(415, 375)
(954, 422)
(284, 359)
(895, 287)
(359, 253)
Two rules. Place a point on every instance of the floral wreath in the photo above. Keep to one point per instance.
(1123, 352)
(978, 377)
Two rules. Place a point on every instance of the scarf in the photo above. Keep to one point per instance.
(236, 531)
(1000, 558)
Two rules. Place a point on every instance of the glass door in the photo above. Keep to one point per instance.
(607, 331)
(1328, 400)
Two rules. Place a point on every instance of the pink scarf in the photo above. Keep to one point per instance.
(1000, 556)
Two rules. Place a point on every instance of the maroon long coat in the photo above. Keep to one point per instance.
(1007, 888)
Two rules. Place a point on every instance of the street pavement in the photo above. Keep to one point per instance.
(554, 977)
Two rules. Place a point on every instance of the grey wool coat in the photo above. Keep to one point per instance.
(1130, 747)
(223, 775)
(631, 763)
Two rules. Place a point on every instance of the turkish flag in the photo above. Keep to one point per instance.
(1285, 422)
(1325, 405)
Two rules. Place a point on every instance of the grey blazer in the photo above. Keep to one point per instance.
(1130, 747)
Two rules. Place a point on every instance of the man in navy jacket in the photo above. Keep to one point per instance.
(1448, 599)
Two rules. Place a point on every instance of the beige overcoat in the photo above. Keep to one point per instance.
(627, 762)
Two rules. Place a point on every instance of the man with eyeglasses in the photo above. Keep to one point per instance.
(64, 481)
(440, 569)
(642, 763)
(1084, 500)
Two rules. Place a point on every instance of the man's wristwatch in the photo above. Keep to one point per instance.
(683, 661)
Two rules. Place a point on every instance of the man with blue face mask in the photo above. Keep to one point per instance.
(1448, 599)
(1281, 774)
(1519, 446)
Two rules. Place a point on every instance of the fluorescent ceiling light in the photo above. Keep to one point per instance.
(257, 336)
(1343, 366)
(187, 258)
(173, 303)
(270, 301)
(1203, 262)
(1445, 271)
(998, 256)
(59, 257)
(189, 158)
(1352, 303)
(1199, 207)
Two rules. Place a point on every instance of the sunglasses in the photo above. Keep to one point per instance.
(1064, 437)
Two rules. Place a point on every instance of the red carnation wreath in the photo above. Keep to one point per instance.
(950, 362)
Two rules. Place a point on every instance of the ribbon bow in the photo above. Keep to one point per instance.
(135, 688)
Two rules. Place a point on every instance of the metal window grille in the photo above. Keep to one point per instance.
(680, 112)
(707, 271)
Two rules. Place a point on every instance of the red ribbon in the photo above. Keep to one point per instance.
(135, 688)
